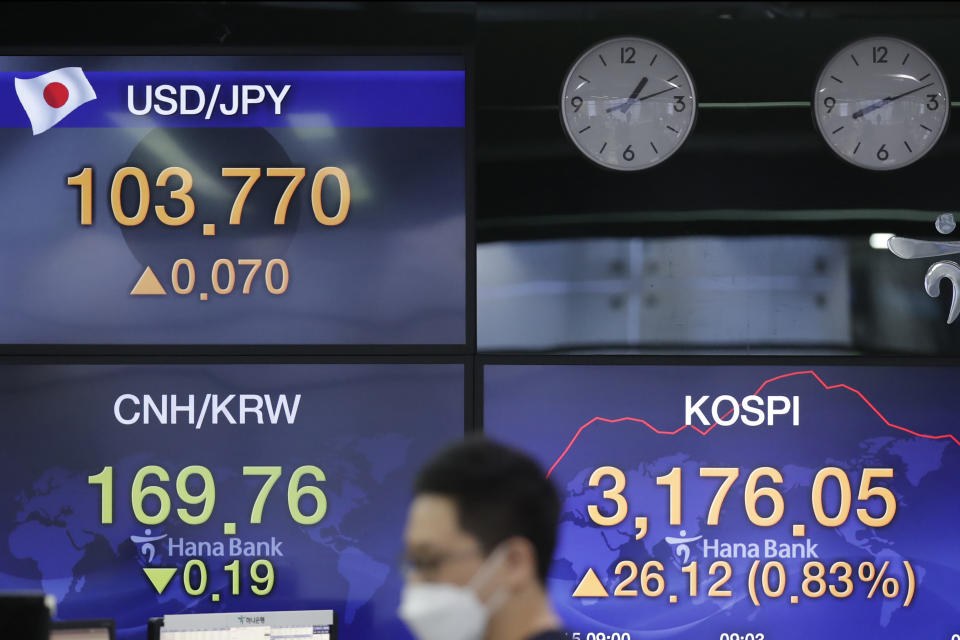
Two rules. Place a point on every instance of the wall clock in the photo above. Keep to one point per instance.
(881, 103)
(628, 103)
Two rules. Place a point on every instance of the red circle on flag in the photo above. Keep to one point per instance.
(56, 94)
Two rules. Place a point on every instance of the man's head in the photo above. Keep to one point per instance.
(472, 500)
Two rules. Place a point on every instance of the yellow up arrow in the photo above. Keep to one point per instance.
(590, 587)
(148, 285)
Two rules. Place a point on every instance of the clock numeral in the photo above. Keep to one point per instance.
(678, 104)
(932, 103)
(577, 102)
(882, 153)
(628, 153)
(829, 103)
(880, 55)
(627, 54)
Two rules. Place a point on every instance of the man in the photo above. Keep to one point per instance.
(480, 537)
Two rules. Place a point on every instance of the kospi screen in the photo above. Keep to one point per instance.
(137, 491)
(733, 502)
(265, 199)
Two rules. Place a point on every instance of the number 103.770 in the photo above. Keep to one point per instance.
(136, 178)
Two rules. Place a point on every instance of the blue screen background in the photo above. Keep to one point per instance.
(393, 272)
(540, 408)
(367, 426)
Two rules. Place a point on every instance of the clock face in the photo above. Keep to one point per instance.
(881, 103)
(628, 104)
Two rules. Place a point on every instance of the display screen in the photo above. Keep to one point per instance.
(725, 502)
(233, 200)
(249, 625)
(138, 491)
(80, 634)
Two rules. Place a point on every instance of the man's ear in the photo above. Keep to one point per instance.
(520, 561)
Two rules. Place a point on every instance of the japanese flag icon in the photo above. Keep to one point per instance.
(50, 98)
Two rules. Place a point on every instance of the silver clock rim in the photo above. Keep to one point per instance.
(836, 54)
(585, 152)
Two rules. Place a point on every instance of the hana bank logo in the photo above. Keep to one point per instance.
(680, 546)
(911, 249)
(145, 543)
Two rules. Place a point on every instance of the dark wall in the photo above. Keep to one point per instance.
(237, 24)
(741, 170)
(532, 182)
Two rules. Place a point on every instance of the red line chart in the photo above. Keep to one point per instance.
(703, 432)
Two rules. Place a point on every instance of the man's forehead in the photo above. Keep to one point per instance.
(433, 521)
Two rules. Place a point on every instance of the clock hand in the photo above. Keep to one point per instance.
(906, 93)
(884, 102)
(640, 86)
(654, 94)
(633, 97)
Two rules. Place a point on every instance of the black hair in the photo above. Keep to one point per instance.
(499, 493)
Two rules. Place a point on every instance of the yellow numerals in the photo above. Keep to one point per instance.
(143, 197)
(614, 493)
(196, 577)
(133, 180)
(261, 573)
(223, 276)
(251, 175)
(151, 504)
(84, 180)
(763, 503)
(139, 494)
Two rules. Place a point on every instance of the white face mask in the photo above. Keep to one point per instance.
(444, 611)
